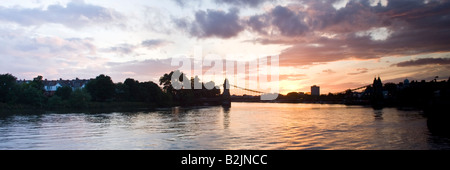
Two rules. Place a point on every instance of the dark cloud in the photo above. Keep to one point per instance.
(288, 22)
(358, 30)
(75, 14)
(296, 20)
(259, 24)
(352, 18)
(240, 3)
(213, 23)
(424, 61)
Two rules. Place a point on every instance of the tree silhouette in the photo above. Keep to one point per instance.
(7, 84)
(101, 88)
(64, 92)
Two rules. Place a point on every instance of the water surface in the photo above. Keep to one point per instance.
(258, 126)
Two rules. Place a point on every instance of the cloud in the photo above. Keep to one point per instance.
(122, 49)
(141, 70)
(128, 49)
(180, 3)
(259, 24)
(21, 43)
(240, 3)
(288, 22)
(157, 20)
(311, 16)
(154, 43)
(213, 23)
(281, 19)
(292, 76)
(185, 4)
(26, 55)
(321, 33)
(359, 71)
(329, 71)
(424, 61)
(75, 14)
(376, 34)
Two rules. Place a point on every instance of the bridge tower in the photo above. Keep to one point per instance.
(226, 97)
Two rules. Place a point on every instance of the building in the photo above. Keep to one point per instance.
(377, 91)
(50, 86)
(315, 90)
(406, 82)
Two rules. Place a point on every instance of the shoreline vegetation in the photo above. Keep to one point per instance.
(101, 93)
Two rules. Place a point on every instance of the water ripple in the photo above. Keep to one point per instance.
(244, 126)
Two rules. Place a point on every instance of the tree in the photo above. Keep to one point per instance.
(64, 92)
(122, 92)
(195, 83)
(55, 102)
(7, 84)
(30, 95)
(391, 88)
(133, 90)
(293, 96)
(166, 82)
(180, 80)
(151, 92)
(101, 88)
(79, 99)
(38, 83)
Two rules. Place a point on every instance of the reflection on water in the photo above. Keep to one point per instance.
(226, 117)
(378, 114)
(243, 126)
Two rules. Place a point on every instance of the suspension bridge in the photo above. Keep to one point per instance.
(233, 92)
(251, 92)
(243, 90)
(228, 90)
(353, 90)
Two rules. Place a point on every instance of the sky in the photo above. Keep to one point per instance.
(335, 44)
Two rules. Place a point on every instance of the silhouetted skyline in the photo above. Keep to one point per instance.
(336, 48)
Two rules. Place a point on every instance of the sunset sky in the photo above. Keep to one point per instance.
(336, 44)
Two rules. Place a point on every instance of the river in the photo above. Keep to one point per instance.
(259, 126)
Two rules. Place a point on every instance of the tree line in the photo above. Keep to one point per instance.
(415, 94)
(102, 90)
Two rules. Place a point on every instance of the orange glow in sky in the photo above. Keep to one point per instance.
(335, 44)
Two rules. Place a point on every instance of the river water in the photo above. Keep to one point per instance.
(259, 126)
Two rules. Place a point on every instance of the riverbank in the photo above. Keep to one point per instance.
(103, 107)
(91, 107)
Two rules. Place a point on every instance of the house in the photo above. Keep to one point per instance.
(78, 84)
(52, 86)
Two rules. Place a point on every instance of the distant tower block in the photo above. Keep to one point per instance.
(315, 90)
